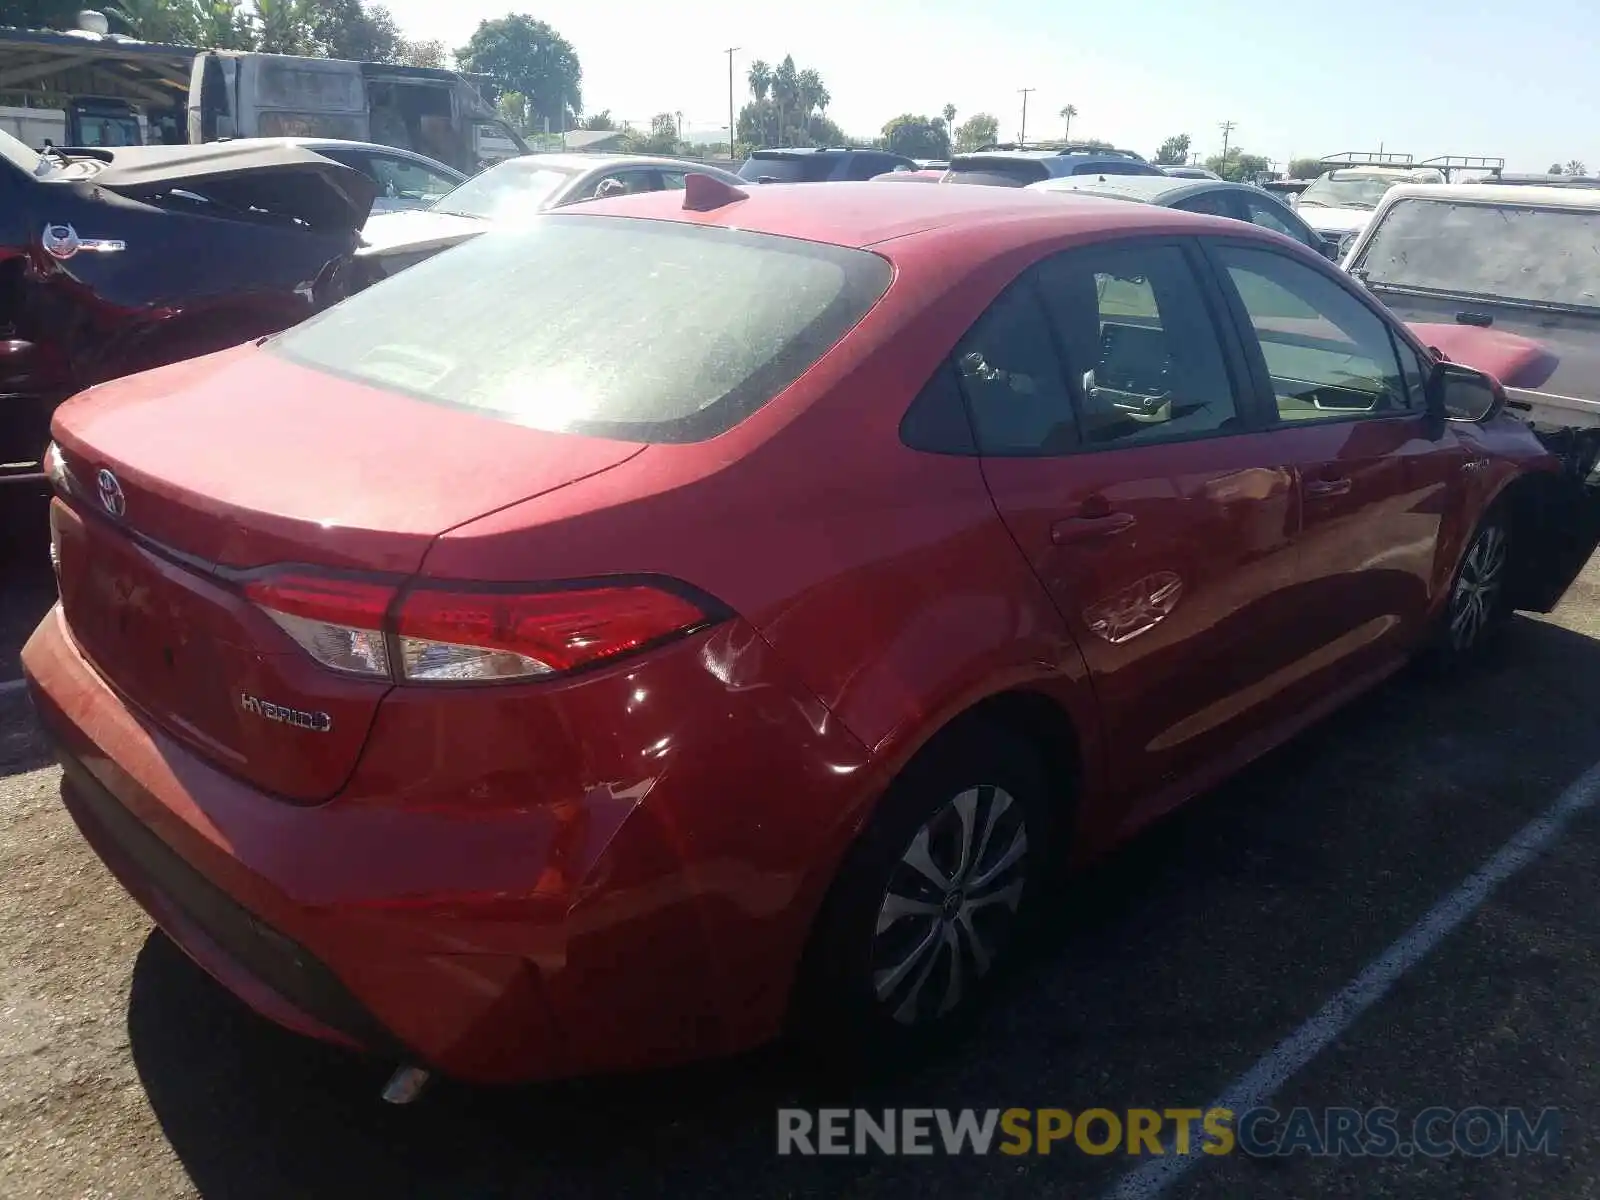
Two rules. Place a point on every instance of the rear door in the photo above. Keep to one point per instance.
(1378, 477)
(1121, 449)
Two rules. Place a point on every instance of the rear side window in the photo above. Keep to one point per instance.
(647, 331)
(1008, 369)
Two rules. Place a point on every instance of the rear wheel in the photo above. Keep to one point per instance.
(931, 897)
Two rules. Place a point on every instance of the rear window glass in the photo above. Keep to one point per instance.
(808, 168)
(647, 331)
(1498, 251)
(998, 172)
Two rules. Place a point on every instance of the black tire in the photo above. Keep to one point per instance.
(979, 770)
(1479, 605)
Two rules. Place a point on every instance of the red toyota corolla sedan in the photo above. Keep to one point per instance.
(619, 639)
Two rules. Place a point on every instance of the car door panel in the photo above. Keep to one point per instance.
(1163, 545)
(1377, 474)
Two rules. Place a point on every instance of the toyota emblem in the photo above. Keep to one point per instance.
(111, 497)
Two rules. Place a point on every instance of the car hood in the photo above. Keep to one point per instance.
(1334, 220)
(281, 178)
(404, 232)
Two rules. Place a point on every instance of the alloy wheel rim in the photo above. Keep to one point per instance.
(1477, 590)
(951, 901)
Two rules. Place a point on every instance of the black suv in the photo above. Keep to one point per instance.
(1012, 165)
(821, 164)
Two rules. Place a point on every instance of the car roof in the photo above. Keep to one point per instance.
(313, 143)
(814, 151)
(865, 214)
(576, 162)
(1521, 195)
(1153, 189)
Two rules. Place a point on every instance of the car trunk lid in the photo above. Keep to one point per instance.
(249, 461)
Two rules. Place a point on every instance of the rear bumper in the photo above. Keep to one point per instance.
(587, 934)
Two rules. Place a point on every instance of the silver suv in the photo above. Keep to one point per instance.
(1018, 166)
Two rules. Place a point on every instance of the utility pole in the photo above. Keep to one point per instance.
(732, 154)
(1022, 138)
(1227, 128)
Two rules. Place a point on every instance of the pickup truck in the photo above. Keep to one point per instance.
(1504, 279)
(1504, 274)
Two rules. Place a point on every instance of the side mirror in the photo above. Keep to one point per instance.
(1459, 393)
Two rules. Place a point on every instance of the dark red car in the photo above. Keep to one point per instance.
(615, 640)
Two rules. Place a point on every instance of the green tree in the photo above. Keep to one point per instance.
(916, 137)
(1555, 169)
(600, 121)
(1174, 151)
(788, 108)
(428, 53)
(1239, 166)
(41, 14)
(1576, 167)
(173, 21)
(662, 138)
(981, 129)
(1066, 114)
(1305, 168)
(760, 78)
(285, 26)
(528, 56)
(949, 114)
(349, 29)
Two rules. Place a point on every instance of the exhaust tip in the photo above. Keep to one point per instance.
(405, 1085)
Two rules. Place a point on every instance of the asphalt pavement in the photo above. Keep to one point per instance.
(1166, 976)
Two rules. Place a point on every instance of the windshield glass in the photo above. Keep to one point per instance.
(17, 154)
(649, 331)
(1500, 251)
(515, 189)
(1341, 189)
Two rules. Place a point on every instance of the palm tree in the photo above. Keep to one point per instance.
(786, 91)
(950, 117)
(810, 94)
(1576, 167)
(760, 77)
(1066, 114)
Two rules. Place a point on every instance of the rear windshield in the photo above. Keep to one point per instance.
(649, 331)
(1496, 251)
(791, 168)
(997, 172)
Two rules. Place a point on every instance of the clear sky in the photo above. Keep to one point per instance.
(1512, 78)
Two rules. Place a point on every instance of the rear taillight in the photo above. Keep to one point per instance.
(339, 622)
(462, 635)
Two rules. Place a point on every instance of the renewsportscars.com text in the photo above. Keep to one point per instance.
(1437, 1132)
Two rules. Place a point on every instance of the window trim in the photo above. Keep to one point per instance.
(1256, 360)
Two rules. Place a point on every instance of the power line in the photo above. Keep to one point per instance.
(1022, 138)
(1227, 128)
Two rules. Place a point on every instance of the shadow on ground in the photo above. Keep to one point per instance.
(1164, 972)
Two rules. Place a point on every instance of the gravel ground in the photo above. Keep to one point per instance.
(125, 1072)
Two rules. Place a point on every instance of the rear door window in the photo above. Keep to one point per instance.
(649, 331)
(1141, 344)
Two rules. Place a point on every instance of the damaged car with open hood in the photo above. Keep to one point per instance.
(116, 260)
